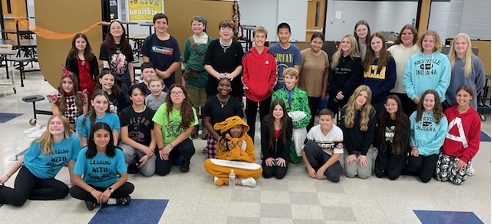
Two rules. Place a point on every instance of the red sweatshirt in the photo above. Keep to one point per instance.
(468, 124)
(259, 74)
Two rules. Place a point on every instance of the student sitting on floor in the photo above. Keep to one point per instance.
(462, 138)
(147, 72)
(98, 112)
(117, 96)
(157, 97)
(324, 146)
(103, 169)
(358, 123)
(173, 124)
(235, 151)
(137, 133)
(296, 103)
(276, 138)
(392, 139)
(68, 102)
(428, 130)
(40, 164)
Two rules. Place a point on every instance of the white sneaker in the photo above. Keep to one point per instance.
(250, 182)
(471, 171)
(37, 133)
(35, 128)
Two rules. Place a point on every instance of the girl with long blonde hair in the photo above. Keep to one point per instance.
(466, 69)
(358, 124)
(345, 73)
(47, 154)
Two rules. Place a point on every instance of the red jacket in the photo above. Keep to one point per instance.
(259, 74)
(469, 123)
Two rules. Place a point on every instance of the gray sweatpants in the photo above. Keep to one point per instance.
(148, 169)
(354, 169)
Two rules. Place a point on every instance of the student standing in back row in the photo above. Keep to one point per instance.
(402, 50)
(259, 76)
(223, 60)
(162, 50)
(286, 54)
(429, 69)
(313, 77)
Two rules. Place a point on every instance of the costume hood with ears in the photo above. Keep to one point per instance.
(229, 123)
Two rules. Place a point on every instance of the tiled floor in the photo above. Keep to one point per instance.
(193, 198)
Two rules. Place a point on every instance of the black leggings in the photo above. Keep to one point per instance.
(251, 111)
(185, 148)
(422, 166)
(27, 185)
(81, 194)
(274, 171)
(313, 106)
(390, 165)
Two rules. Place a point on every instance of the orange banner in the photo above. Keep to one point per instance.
(48, 34)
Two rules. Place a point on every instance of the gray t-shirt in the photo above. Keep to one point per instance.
(154, 103)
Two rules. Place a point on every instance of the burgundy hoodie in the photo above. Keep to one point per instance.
(259, 74)
(463, 136)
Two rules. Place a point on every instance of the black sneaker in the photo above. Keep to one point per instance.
(185, 166)
(132, 168)
(124, 201)
(90, 205)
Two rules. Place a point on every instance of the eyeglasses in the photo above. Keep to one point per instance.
(180, 93)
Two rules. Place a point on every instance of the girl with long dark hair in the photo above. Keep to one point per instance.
(276, 137)
(392, 139)
(100, 173)
(82, 62)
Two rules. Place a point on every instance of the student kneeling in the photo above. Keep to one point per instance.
(103, 168)
(323, 148)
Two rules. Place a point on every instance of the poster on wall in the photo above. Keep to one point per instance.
(113, 9)
(144, 10)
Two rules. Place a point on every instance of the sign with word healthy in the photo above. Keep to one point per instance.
(143, 9)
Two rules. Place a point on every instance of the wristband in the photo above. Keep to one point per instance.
(160, 149)
(91, 190)
(171, 145)
(7, 175)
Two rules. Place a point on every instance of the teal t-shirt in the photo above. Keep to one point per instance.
(101, 170)
(170, 128)
(111, 119)
(47, 166)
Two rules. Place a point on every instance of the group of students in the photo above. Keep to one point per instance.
(372, 101)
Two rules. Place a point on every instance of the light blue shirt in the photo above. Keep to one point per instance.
(111, 119)
(47, 166)
(101, 170)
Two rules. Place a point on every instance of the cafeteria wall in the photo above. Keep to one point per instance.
(64, 16)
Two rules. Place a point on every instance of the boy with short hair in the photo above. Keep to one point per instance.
(259, 77)
(157, 96)
(137, 133)
(147, 71)
(323, 148)
(296, 103)
(195, 76)
(287, 55)
(162, 50)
